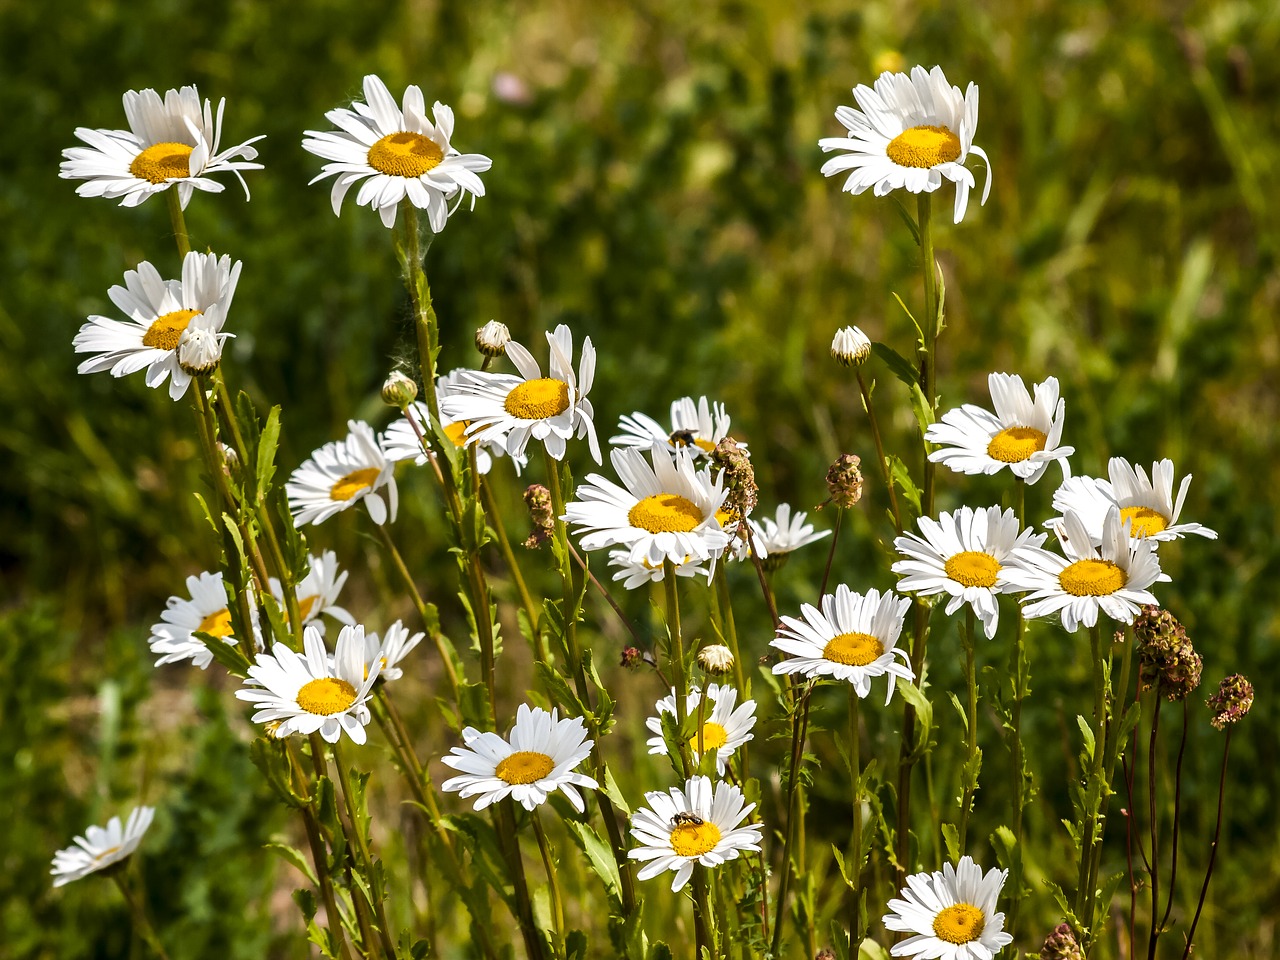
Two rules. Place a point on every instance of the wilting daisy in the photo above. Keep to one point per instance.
(777, 537)
(961, 554)
(1147, 504)
(169, 142)
(508, 410)
(910, 133)
(400, 440)
(318, 591)
(342, 473)
(693, 825)
(312, 692)
(100, 847)
(536, 759)
(853, 637)
(636, 573)
(159, 312)
(387, 651)
(663, 512)
(398, 153)
(1112, 577)
(695, 427)
(724, 730)
(952, 914)
(1023, 434)
(174, 637)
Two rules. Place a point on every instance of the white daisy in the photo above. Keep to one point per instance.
(387, 652)
(961, 554)
(684, 827)
(342, 473)
(850, 346)
(696, 427)
(507, 410)
(100, 847)
(853, 637)
(169, 142)
(724, 730)
(159, 312)
(663, 512)
(400, 440)
(777, 536)
(952, 913)
(313, 692)
(174, 637)
(398, 153)
(1148, 505)
(1022, 434)
(636, 573)
(911, 132)
(318, 591)
(536, 759)
(1112, 577)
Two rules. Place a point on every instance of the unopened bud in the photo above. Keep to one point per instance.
(399, 390)
(632, 658)
(716, 659)
(199, 350)
(538, 499)
(1232, 701)
(1166, 658)
(492, 339)
(826, 953)
(850, 346)
(739, 477)
(1061, 945)
(844, 480)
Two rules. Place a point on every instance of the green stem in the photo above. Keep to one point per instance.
(971, 732)
(362, 846)
(885, 475)
(178, 222)
(1085, 899)
(526, 599)
(1213, 848)
(799, 731)
(141, 922)
(1021, 683)
(703, 929)
(319, 856)
(856, 923)
(675, 660)
(724, 605)
(505, 820)
(557, 899)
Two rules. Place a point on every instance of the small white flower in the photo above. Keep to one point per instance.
(313, 692)
(952, 914)
(850, 346)
(1022, 434)
(386, 653)
(1113, 576)
(100, 847)
(775, 538)
(160, 312)
(492, 339)
(637, 573)
(681, 828)
(911, 133)
(318, 591)
(961, 554)
(509, 410)
(536, 759)
(398, 153)
(853, 637)
(341, 474)
(724, 730)
(1147, 505)
(200, 347)
(170, 142)
(174, 637)
(694, 427)
(716, 659)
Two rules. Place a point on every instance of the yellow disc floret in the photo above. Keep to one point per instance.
(665, 513)
(924, 146)
(524, 766)
(162, 161)
(457, 432)
(1144, 521)
(714, 736)
(538, 399)
(853, 649)
(216, 624)
(694, 839)
(353, 483)
(962, 923)
(405, 155)
(165, 331)
(1092, 578)
(1015, 444)
(973, 568)
(326, 696)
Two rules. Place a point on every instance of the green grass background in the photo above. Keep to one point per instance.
(657, 188)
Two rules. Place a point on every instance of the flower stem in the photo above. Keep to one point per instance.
(675, 659)
(703, 928)
(553, 880)
(362, 847)
(831, 552)
(880, 456)
(799, 731)
(526, 599)
(1021, 684)
(179, 222)
(141, 922)
(505, 821)
(856, 923)
(1213, 848)
(971, 729)
(1090, 838)
(1177, 814)
(319, 856)
(1153, 814)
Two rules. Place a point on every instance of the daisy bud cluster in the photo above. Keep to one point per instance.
(1166, 658)
(1232, 701)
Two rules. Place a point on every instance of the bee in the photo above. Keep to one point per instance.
(682, 438)
(683, 819)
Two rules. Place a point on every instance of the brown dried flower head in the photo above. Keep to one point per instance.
(1232, 701)
(844, 480)
(1166, 658)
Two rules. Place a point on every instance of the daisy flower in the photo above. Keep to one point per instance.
(1148, 505)
(536, 759)
(342, 473)
(159, 312)
(853, 637)
(776, 537)
(1023, 434)
(695, 427)
(398, 153)
(386, 652)
(170, 141)
(174, 637)
(723, 731)
(1112, 576)
(961, 554)
(507, 410)
(693, 825)
(318, 591)
(313, 692)
(636, 573)
(664, 512)
(100, 847)
(952, 914)
(400, 440)
(910, 133)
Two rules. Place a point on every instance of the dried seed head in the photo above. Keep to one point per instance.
(844, 480)
(826, 953)
(538, 499)
(739, 477)
(850, 347)
(1166, 658)
(716, 659)
(632, 658)
(1232, 701)
(492, 339)
(1061, 945)
(399, 390)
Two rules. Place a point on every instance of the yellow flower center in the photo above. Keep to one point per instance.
(1092, 578)
(924, 146)
(457, 432)
(973, 568)
(961, 923)
(161, 162)
(405, 155)
(714, 736)
(165, 332)
(353, 483)
(665, 513)
(216, 624)
(538, 399)
(326, 696)
(853, 649)
(725, 516)
(1143, 521)
(694, 839)
(1015, 444)
(524, 766)
(305, 605)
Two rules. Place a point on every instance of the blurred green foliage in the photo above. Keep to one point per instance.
(655, 185)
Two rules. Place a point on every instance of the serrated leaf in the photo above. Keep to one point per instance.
(293, 856)
(951, 838)
(1087, 733)
(266, 455)
(600, 855)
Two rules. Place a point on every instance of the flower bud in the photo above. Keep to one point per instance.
(492, 339)
(1061, 945)
(716, 659)
(1232, 701)
(1166, 658)
(850, 346)
(538, 499)
(844, 480)
(399, 390)
(632, 658)
(199, 349)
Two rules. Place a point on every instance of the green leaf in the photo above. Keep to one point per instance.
(228, 655)
(1087, 732)
(900, 475)
(599, 855)
(266, 456)
(294, 856)
(951, 838)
